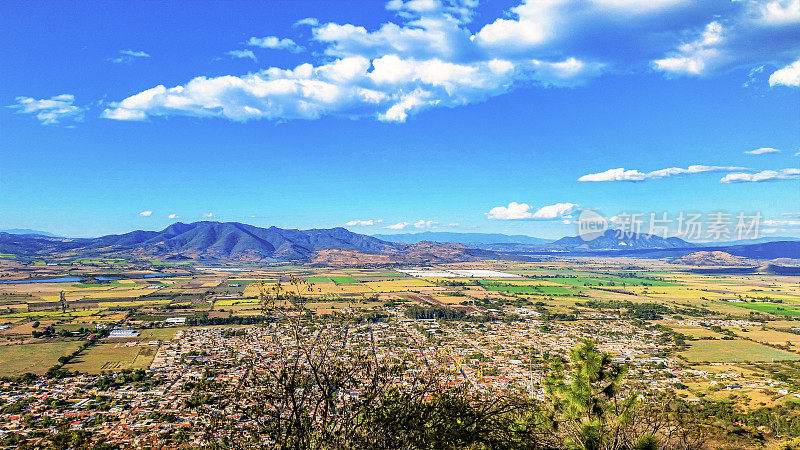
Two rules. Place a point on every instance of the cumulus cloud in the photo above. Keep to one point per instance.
(788, 76)
(424, 223)
(633, 175)
(275, 43)
(764, 175)
(208, 215)
(363, 223)
(557, 211)
(695, 57)
(146, 213)
(426, 60)
(173, 216)
(431, 57)
(397, 226)
(127, 56)
(524, 211)
(50, 111)
(243, 54)
(762, 150)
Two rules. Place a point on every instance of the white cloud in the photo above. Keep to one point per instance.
(50, 111)
(619, 174)
(310, 21)
(764, 175)
(634, 175)
(430, 57)
(557, 211)
(777, 12)
(762, 150)
(173, 216)
(243, 54)
(397, 226)
(523, 211)
(426, 61)
(146, 213)
(514, 211)
(363, 223)
(788, 76)
(208, 215)
(275, 43)
(424, 223)
(127, 56)
(695, 57)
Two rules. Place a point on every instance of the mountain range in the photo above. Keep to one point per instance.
(233, 241)
(28, 231)
(473, 239)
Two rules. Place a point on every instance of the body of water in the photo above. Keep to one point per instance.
(77, 279)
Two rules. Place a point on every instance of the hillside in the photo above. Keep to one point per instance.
(232, 241)
(612, 240)
(203, 241)
(713, 258)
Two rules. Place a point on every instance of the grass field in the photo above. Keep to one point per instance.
(55, 315)
(34, 358)
(515, 289)
(113, 357)
(780, 309)
(319, 279)
(737, 350)
(344, 280)
(608, 281)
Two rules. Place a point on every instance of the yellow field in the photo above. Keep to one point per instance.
(698, 332)
(771, 336)
(397, 285)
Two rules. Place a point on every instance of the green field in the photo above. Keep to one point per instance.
(533, 290)
(319, 279)
(780, 309)
(54, 315)
(156, 262)
(609, 281)
(344, 280)
(337, 280)
(34, 358)
(737, 350)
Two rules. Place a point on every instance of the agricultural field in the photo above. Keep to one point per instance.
(736, 350)
(113, 357)
(726, 322)
(36, 358)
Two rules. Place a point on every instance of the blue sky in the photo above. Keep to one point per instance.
(418, 115)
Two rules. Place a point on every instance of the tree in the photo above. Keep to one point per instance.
(586, 405)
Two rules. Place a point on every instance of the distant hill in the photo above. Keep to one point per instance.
(715, 258)
(611, 239)
(234, 242)
(760, 240)
(767, 250)
(462, 238)
(27, 231)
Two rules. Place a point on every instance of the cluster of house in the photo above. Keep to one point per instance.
(494, 357)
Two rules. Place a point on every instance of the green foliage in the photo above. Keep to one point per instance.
(587, 405)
